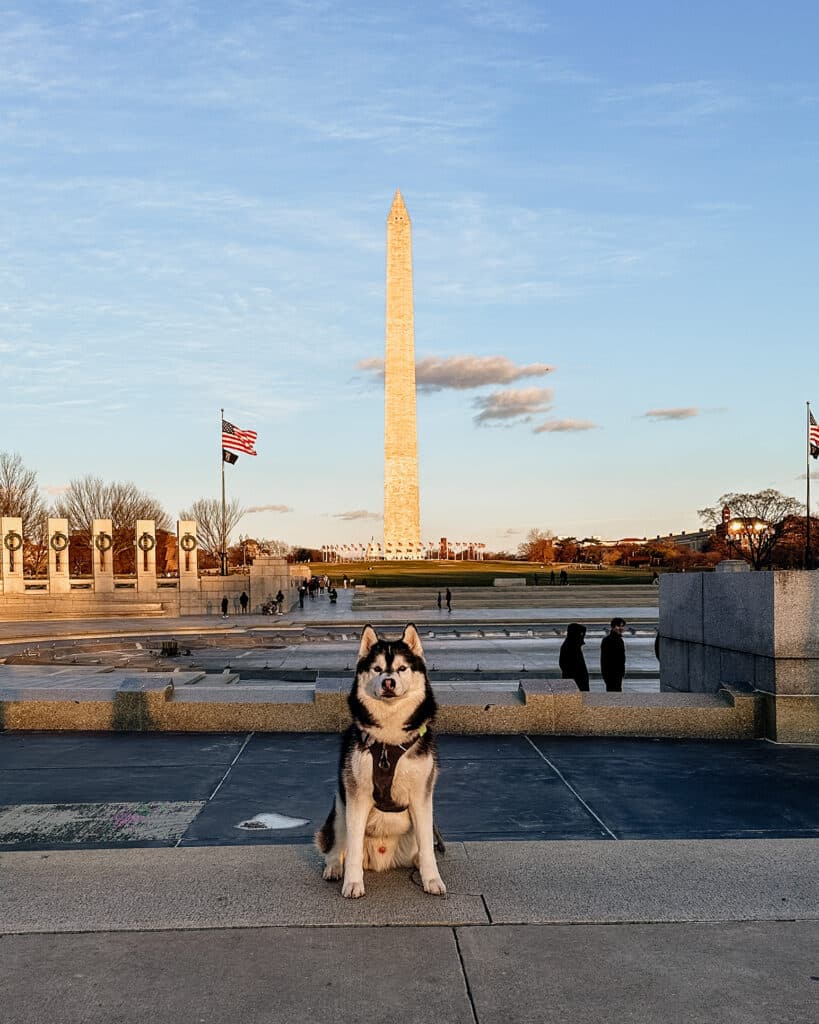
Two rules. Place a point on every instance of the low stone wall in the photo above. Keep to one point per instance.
(758, 630)
(163, 702)
(129, 597)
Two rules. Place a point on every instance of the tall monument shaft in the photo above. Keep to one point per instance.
(402, 529)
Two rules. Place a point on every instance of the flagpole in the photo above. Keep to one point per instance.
(223, 552)
(808, 564)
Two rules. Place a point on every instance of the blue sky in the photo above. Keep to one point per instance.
(614, 213)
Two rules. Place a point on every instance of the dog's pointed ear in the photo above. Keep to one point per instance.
(369, 638)
(412, 640)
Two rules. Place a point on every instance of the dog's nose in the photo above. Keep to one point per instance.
(388, 684)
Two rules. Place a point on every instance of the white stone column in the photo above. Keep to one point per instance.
(59, 577)
(146, 554)
(187, 550)
(102, 556)
(11, 555)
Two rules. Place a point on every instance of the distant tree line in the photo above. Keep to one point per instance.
(88, 498)
(767, 529)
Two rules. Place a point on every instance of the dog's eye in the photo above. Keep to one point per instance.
(402, 668)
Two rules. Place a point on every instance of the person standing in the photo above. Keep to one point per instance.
(448, 599)
(225, 605)
(439, 600)
(613, 656)
(243, 601)
(571, 660)
(280, 602)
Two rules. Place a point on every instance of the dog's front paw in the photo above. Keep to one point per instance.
(352, 890)
(435, 886)
(332, 872)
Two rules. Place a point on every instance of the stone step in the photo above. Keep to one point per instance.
(80, 609)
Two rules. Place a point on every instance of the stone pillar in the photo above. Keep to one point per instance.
(146, 554)
(59, 577)
(268, 575)
(11, 555)
(187, 549)
(102, 556)
(753, 629)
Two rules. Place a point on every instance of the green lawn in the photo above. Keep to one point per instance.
(471, 574)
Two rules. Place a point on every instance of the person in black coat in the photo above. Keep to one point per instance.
(572, 662)
(613, 656)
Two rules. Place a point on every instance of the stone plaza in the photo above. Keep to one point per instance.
(588, 875)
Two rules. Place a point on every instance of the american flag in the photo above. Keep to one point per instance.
(813, 436)
(239, 440)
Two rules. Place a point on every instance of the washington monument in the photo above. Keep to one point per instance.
(402, 529)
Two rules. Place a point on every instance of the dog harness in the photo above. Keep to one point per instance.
(385, 760)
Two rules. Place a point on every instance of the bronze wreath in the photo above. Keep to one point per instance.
(13, 541)
(59, 541)
(103, 541)
(146, 542)
(187, 542)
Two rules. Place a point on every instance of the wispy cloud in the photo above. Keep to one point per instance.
(511, 405)
(359, 513)
(269, 508)
(564, 426)
(671, 414)
(673, 104)
(519, 18)
(464, 372)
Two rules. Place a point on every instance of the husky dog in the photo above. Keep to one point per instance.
(382, 815)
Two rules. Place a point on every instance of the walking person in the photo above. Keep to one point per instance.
(439, 600)
(280, 602)
(302, 592)
(613, 656)
(243, 601)
(571, 660)
(448, 599)
(225, 605)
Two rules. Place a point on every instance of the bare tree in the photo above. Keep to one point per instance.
(211, 527)
(539, 546)
(123, 503)
(275, 548)
(20, 496)
(755, 522)
(19, 492)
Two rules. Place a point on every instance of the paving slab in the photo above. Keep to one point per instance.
(47, 750)
(506, 799)
(643, 974)
(81, 785)
(216, 887)
(647, 788)
(497, 883)
(257, 976)
(491, 787)
(647, 880)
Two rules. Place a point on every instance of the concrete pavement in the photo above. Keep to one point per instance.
(589, 880)
(639, 931)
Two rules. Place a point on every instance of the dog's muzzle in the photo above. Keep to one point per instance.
(388, 687)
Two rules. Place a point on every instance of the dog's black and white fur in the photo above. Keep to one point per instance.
(382, 815)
